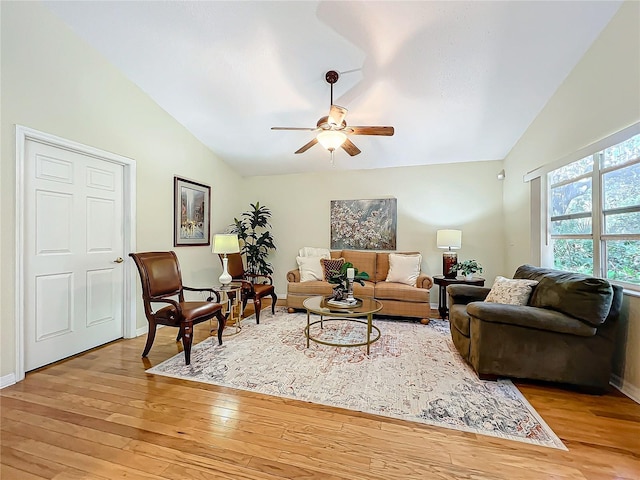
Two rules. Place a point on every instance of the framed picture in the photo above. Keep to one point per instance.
(364, 224)
(191, 213)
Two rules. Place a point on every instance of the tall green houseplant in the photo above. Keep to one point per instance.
(257, 241)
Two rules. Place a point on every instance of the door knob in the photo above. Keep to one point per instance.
(119, 260)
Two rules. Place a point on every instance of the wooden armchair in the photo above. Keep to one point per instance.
(161, 279)
(250, 289)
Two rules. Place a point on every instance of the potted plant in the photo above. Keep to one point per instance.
(257, 241)
(341, 281)
(467, 268)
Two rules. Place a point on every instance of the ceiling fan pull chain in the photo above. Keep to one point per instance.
(333, 163)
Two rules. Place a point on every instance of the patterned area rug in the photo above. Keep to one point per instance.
(413, 373)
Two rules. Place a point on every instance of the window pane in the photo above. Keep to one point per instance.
(573, 226)
(622, 187)
(572, 170)
(574, 197)
(573, 255)
(623, 260)
(628, 223)
(621, 153)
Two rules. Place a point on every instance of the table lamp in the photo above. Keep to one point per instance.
(224, 243)
(449, 239)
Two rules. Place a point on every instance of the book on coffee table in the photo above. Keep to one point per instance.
(342, 303)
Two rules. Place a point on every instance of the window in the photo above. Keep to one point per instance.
(593, 217)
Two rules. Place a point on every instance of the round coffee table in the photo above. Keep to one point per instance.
(365, 307)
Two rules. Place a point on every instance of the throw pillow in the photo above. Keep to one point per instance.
(310, 268)
(314, 252)
(511, 291)
(404, 268)
(331, 267)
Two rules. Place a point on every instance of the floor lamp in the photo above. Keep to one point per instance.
(449, 239)
(224, 243)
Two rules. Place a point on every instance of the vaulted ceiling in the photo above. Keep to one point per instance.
(459, 80)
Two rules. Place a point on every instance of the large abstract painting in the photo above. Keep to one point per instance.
(364, 224)
(191, 203)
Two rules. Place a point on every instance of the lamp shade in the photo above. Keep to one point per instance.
(226, 243)
(331, 139)
(449, 239)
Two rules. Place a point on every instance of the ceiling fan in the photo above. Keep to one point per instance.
(333, 129)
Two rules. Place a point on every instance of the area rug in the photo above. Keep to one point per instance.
(412, 373)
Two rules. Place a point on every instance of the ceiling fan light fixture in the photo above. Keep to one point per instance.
(331, 139)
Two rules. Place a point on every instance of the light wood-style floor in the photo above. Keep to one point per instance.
(100, 416)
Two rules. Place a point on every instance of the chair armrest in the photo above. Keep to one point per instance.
(529, 317)
(464, 294)
(209, 290)
(293, 276)
(424, 281)
(258, 275)
(175, 304)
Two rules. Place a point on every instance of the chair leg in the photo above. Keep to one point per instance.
(257, 305)
(187, 330)
(151, 335)
(179, 335)
(274, 299)
(222, 319)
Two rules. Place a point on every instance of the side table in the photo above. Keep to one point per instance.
(232, 295)
(443, 283)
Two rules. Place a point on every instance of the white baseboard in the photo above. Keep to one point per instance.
(630, 390)
(144, 330)
(7, 380)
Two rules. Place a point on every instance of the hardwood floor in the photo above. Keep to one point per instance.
(100, 416)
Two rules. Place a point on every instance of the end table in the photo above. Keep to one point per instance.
(232, 295)
(443, 283)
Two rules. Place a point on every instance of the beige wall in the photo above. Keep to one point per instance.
(53, 82)
(599, 97)
(466, 196)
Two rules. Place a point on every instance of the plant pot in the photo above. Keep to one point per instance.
(468, 277)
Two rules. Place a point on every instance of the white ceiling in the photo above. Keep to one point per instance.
(459, 80)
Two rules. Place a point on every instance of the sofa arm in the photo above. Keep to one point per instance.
(529, 317)
(464, 294)
(293, 276)
(424, 281)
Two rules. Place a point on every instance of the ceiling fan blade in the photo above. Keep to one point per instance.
(294, 128)
(307, 146)
(386, 131)
(337, 114)
(350, 148)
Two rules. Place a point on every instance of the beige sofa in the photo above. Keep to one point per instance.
(397, 299)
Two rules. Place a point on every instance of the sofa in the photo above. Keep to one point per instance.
(398, 299)
(563, 332)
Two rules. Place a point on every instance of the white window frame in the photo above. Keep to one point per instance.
(542, 251)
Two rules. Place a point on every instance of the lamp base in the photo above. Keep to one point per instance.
(449, 260)
(225, 278)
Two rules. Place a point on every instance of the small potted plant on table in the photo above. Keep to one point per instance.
(467, 268)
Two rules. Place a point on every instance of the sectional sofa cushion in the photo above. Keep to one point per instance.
(580, 296)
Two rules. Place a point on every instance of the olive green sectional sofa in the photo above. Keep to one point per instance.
(398, 299)
(564, 333)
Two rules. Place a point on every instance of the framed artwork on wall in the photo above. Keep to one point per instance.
(364, 224)
(191, 213)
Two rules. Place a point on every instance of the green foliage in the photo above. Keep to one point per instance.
(257, 241)
(467, 267)
(341, 278)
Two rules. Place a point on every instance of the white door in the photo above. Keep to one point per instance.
(73, 246)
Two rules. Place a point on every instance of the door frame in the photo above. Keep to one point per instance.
(23, 134)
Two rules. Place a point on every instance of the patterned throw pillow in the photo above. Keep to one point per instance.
(331, 267)
(511, 291)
